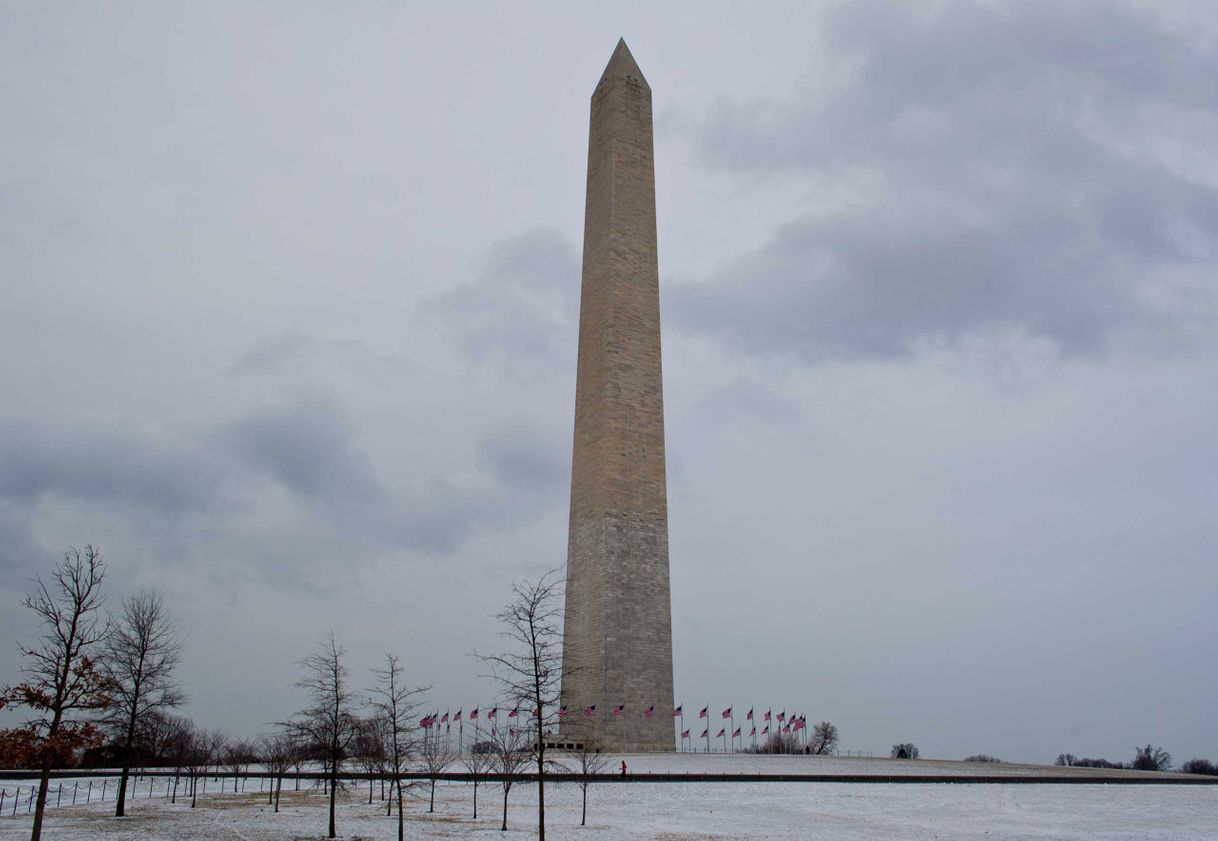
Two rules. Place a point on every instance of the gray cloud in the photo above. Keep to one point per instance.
(521, 309)
(294, 351)
(999, 175)
(528, 456)
(121, 467)
(221, 482)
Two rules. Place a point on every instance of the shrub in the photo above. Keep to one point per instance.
(1200, 766)
(981, 757)
(1151, 759)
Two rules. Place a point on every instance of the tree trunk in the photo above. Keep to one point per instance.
(369, 789)
(583, 815)
(333, 795)
(432, 807)
(541, 788)
(504, 827)
(120, 807)
(401, 824)
(44, 782)
(475, 799)
(278, 791)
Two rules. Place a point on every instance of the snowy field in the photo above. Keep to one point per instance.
(679, 811)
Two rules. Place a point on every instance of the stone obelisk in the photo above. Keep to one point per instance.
(617, 648)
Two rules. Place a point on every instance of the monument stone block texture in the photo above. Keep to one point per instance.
(617, 646)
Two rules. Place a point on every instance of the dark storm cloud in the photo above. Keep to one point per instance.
(988, 176)
(521, 308)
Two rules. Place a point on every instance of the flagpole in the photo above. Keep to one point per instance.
(708, 721)
(682, 716)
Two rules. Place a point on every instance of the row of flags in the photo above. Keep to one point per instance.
(789, 724)
(435, 719)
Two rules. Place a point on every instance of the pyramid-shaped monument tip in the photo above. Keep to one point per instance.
(622, 64)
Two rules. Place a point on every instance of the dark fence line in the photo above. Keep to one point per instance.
(670, 777)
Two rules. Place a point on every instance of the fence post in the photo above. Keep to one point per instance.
(89, 793)
(74, 787)
(58, 795)
(103, 794)
(151, 780)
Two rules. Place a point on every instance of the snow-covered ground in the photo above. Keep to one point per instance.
(679, 811)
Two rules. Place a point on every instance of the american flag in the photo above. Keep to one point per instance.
(473, 714)
(765, 730)
(590, 712)
(703, 713)
(749, 717)
(704, 732)
(736, 733)
(786, 728)
(782, 716)
(767, 715)
(720, 733)
(800, 723)
(425, 722)
(515, 712)
(444, 718)
(753, 732)
(684, 734)
(457, 717)
(677, 713)
(562, 713)
(619, 710)
(650, 711)
(494, 712)
(727, 713)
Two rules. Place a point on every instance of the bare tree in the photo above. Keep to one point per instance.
(368, 749)
(397, 705)
(437, 756)
(278, 751)
(478, 762)
(905, 750)
(202, 750)
(329, 722)
(140, 657)
(824, 739)
(61, 678)
(237, 754)
(511, 755)
(154, 738)
(178, 734)
(531, 672)
(586, 763)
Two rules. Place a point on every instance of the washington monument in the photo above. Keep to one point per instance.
(617, 651)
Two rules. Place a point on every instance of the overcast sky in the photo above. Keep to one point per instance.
(288, 300)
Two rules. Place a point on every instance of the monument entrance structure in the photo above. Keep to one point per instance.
(617, 649)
